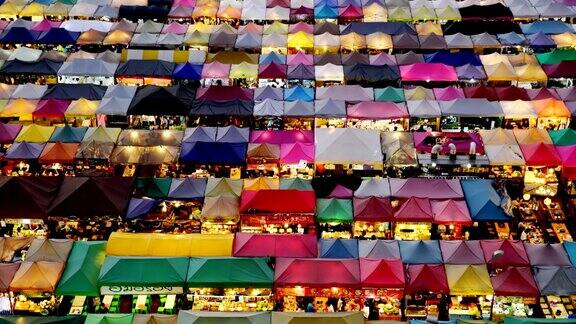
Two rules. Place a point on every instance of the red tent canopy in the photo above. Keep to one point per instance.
(58, 153)
(450, 211)
(272, 70)
(278, 201)
(540, 154)
(317, 272)
(514, 253)
(414, 210)
(224, 93)
(481, 92)
(426, 278)
(515, 281)
(51, 109)
(381, 273)
(373, 209)
(512, 93)
(271, 245)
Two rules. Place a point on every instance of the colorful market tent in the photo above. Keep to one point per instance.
(382, 273)
(364, 146)
(373, 209)
(551, 254)
(334, 210)
(484, 202)
(24, 151)
(426, 188)
(53, 250)
(450, 211)
(80, 277)
(109, 318)
(540, 155)
(40, 276)
(336, 318)
(7, 272)
(143, 272)
(468, 280)
(420, 252)
(555, 280)
(159, 245)
(230, 273)
(379, 249)
(426, 278)
(270, 245)
(278, 201)
(515, 281)
(514, 253)
(317, 273)
(338, 248)
(462, 252)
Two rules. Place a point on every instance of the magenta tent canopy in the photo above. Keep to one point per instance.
(450, 211)
(448, 93)
(292, 153)
(426, 188)
(215, 70)
(428, 72)
(300, 58)
(378, 110)
(567, 155)
(8, 132)
(282, 136)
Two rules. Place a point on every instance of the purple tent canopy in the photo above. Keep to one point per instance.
(547, 254)
(469, 71)
(268, 93)
(541, 40)
(448, 93)
(8, 132)
(405, 41)
(301, 71)
(139, 207)
(409, 58)
(462, 252)
(24, 151)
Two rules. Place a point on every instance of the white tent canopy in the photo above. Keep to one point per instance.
(348, 146)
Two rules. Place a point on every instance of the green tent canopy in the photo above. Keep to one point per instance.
(296, 184)
(42, 320)
(556, 56)
(526, 320)
(389, 94)
(80, 276)
(153, 187)
(563, 137)
(109, 319)
(230, 273)
(334, 210)
(143, 272)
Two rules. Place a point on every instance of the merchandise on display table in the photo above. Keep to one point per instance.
(231, 299)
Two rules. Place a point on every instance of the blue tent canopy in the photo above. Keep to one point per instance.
(420, 252)
(453, 59)
(299, 93)
(379, 249)
(58, 36)
(187, 188)
(19, 35)
(216, 153)
(42, 67)
(511, 38)
(188, 71)
(272, 57)
(484, 203)
(65, 91)
(554, 280)
(570, 248)
(389, 27)
(339, 248)
(546, 27)
(325, 12)
(139, 207)
(24, 151)
(67, 134)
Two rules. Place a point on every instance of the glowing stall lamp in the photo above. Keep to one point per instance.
(547, 201)
(526, 196)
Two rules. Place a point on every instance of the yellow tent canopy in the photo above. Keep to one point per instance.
(530, 73)
(102, 134)
(352, 41)
(118, 37)
(197, 38)
(200, 27)
(468, 280)
(262, 183)
(174, 245)
(33, 10)
(10, 9)
(235, 57)
(276, 28)
(566, 39)
(375, 12)
(82, 107)
(40, 276)
(223, 187)
(494, 58)
(244, 71)
(35, 133)
(500, 72)
(22, 108)
(379, 41)
(429, 28)
(418, 93)
(57, 9)
(300, 40)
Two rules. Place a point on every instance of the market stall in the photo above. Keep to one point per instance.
(271, 245)
(515, 293)
(470, 288)
(33, 285)
(318, 283)
(557, 287)
(239, 284)
(187, 316)
(425, 288)
(383, 284)
(335, 217)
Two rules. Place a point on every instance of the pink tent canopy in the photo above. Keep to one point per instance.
(51, 109)
(568, 155)
(301, 26)
(451, 211)
(351, 12)
(424, 141)
(300, 58)
(414, 210)
(216, 70)
(175, 28)
(271, 245)
(282, 137)
(45, 25)
(296, 152)
(325, 273)
(462, 252)
(8, 132)
(426, 188)
(426, 278)
(340, 191)
(378, 110)
(448, 93)
(184, 3)
(428, 72)
(540, 154)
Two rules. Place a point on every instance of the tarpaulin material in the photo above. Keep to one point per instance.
(426, 278)
(278, 201)
(462, 252)
(420, 252)
(426, 188)
(213, 153)
(338, 248)
(143, 272)
(271, 245)
(373, 209)
(27, 197)
(233, 272)
(515, 281)
(551, 254)
(80, 277)
(40, 276)
(484, 202)
(468, 280)
(317, 273)
(514, 253)
(382, 273)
